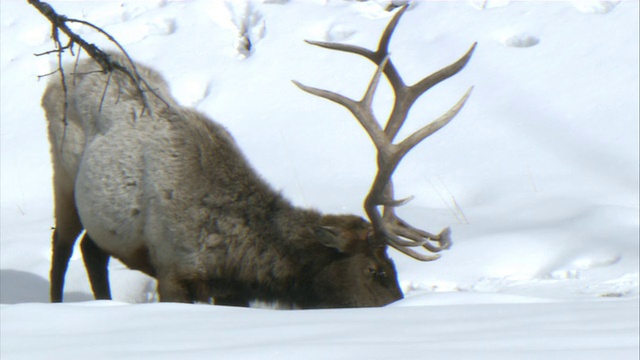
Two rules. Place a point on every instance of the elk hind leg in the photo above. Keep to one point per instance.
(96, 262)
(67, 229)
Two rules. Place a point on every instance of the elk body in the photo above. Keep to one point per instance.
(168, 192)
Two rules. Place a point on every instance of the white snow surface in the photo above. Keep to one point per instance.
(537, 177)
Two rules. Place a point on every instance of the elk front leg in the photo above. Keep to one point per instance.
(96, 262)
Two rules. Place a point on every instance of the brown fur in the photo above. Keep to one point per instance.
(168, 192)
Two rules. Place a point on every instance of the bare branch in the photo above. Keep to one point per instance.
(59, 22)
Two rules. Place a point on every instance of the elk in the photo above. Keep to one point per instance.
(168, 192)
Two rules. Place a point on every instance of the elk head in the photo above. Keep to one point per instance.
(386, 227)
(361, 275)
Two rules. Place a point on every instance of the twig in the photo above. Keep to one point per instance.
(104, 93)
(533, 183)
(75, 66)
(455, 202)
(445, 202)
(48, 74)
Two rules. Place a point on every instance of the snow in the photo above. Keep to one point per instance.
(537, 176)
(169, 331)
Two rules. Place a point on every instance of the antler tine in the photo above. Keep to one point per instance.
(395, 228)
(399, 227)
(360, 109)
(353, 49)
(383, 45)
(414, 254)
(416, 236)
(412, 93)
(388, 228)
(414, 139)
(446, 72)
(378, 56)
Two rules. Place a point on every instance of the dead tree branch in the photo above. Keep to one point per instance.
(59, 23)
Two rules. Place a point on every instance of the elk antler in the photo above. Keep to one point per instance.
(388, 228)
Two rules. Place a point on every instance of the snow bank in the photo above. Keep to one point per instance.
(566, 331)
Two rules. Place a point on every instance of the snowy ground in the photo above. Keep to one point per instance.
(537, 176)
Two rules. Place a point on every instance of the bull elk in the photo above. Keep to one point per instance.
(168, 192)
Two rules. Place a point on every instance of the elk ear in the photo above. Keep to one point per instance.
(330, 237)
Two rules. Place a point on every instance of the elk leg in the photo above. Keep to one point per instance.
(96, 262)
(62, 250)
(171, 289)
(63, 239)
(67, 229)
